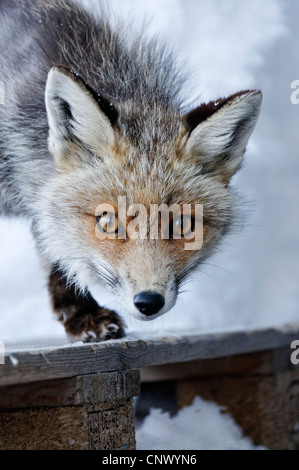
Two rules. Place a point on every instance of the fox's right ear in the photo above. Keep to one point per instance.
(76, 115)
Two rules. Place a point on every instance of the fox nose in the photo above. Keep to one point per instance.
(149, 302)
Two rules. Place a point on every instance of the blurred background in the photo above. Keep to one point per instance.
(228, 45)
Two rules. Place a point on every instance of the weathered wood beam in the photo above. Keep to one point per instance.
(43, 363)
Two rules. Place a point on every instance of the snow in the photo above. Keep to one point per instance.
(200, 426)
(253, 280)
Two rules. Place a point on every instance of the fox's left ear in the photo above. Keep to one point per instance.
(219, 132)
(76, 115)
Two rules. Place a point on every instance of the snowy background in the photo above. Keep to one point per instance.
(229, 45)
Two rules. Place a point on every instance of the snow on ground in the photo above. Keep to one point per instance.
(229, 45)
(200, 426)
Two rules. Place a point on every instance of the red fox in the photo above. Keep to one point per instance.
(92, 114)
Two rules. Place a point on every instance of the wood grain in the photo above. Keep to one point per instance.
(29, 364)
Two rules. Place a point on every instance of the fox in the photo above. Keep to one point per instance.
(93, 112)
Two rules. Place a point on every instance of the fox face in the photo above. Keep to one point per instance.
(147, 155)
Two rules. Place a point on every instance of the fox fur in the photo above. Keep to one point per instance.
(91, 113)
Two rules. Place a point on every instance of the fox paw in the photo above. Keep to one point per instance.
(100, 325)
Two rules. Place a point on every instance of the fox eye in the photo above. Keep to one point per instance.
(182, 226)
(107, 223)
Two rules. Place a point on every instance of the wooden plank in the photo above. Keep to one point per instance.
(45, 363)
(78, 413)
(109, 426)
(260, 362)
(93, 389)
(257, 363)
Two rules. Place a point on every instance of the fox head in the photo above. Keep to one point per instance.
(147, 153)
